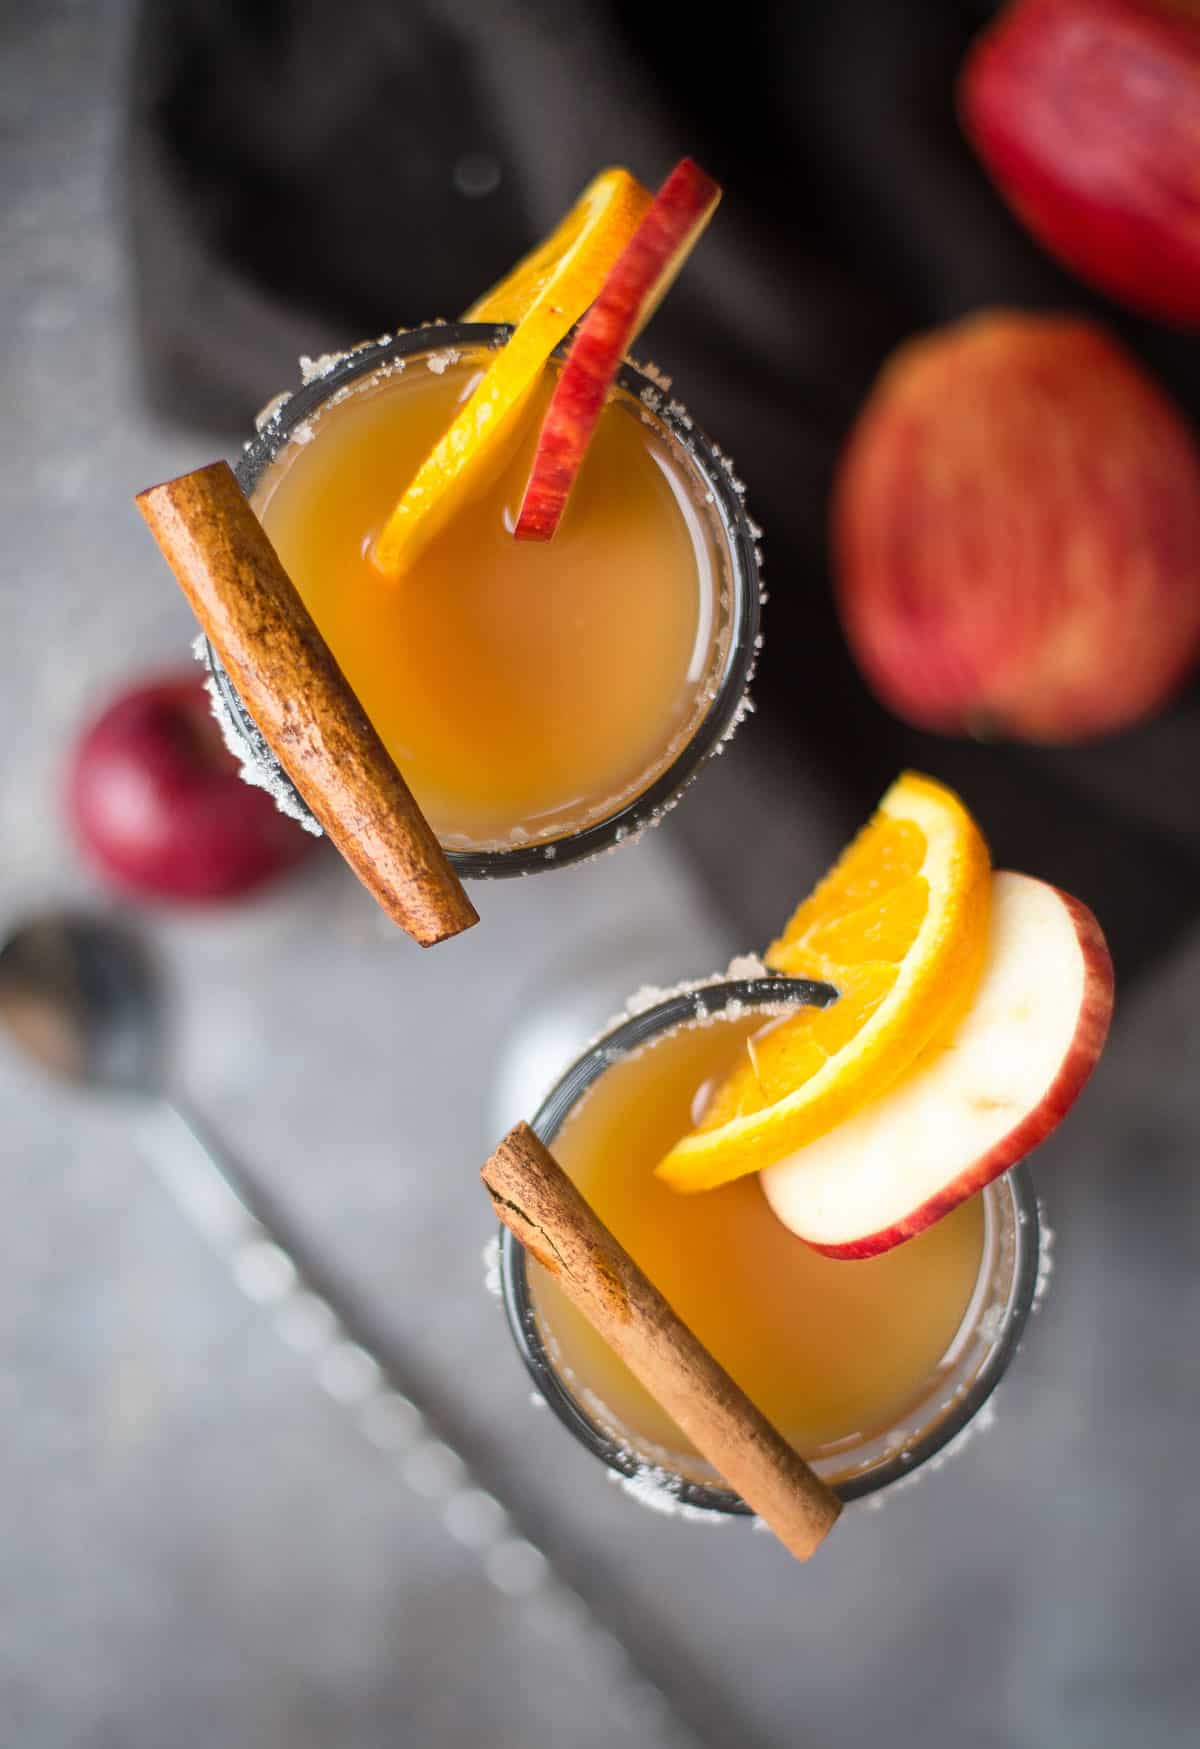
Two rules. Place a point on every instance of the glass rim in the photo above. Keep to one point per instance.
(724, 711)
(675, 1010)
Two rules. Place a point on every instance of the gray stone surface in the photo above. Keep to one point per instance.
(199, 1546)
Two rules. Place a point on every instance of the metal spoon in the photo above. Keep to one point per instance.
(80, 994)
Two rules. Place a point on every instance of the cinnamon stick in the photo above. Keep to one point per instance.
(533, 1196)
(293, 688)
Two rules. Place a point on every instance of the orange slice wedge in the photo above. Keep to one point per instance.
(900, 926)
(545, 294)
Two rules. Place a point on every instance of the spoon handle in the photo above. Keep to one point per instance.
(357, 1367)
(270, 1261)
(352, 1361)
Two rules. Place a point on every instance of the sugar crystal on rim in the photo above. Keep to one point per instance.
(251, 769)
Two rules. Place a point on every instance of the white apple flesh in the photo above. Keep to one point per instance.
(976, 1101)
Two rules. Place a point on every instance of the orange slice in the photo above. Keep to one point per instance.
(899, 925)
(545, 294)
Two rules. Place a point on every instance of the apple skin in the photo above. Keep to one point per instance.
(1078, 1059)
(1086, 114)
(1016, 533)
(636, 283)
(155, 800)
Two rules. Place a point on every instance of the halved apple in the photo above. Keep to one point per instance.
(977, 1100)
(633, 290)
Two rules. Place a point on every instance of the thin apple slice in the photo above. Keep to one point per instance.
(543, 295)
(636, 285)
(977, 1100)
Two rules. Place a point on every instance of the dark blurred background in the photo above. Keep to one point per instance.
(199, 1546)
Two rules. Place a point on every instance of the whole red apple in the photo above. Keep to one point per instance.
(1087, 116)
(1016, 533)
(156, 801)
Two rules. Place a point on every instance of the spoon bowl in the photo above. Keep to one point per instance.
(81, 995)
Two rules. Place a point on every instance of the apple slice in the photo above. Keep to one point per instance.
(636, 284)
(976, 1101)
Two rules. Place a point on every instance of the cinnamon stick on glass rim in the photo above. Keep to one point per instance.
(533, 1196)
(297, 694)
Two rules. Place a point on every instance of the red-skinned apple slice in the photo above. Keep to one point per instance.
(638, 281)
(976, 1101)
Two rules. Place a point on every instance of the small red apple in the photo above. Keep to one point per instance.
(156, 801)
(1016, 533)
(977, 1100)
(1086, 113)
(637, 282)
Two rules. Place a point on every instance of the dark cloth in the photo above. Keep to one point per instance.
(303, 176)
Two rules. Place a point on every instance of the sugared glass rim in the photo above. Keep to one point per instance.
(725, 709)
(696, 1004)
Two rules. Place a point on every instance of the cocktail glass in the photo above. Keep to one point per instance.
(736, 595)
(949, 1399)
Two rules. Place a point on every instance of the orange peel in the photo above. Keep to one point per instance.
(544, 296)
(900, 927)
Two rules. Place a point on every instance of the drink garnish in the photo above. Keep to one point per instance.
(987, 1090)
(633, 290)
(252, 614)
(533, 1196)
(899, 926)
(544, 295)
(974, 1007)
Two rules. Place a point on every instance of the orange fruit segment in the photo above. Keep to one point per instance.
(786, 1055)
(786, 1052)
(899, 926)
(545, 295)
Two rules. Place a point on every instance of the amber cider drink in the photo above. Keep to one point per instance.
(525, 690)
(833, 1352)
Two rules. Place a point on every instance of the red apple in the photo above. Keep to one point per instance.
(977, 1100)
(1016, 533)
(1087, 115)
(156, 800)
(636, 284)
